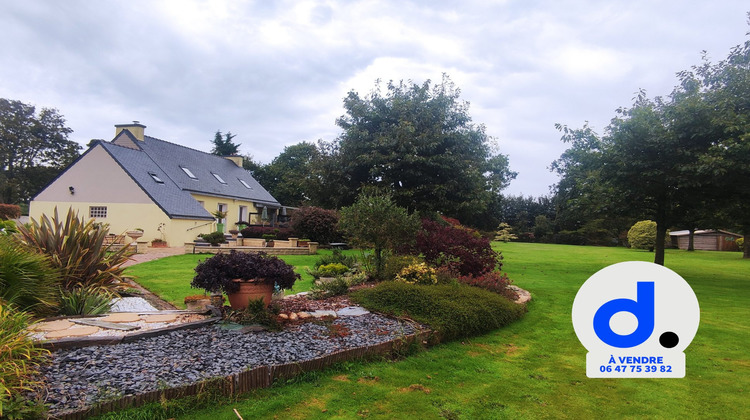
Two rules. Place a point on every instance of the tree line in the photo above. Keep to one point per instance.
(681, 160)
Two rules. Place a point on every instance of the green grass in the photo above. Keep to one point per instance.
(170, 277)
(534, 368)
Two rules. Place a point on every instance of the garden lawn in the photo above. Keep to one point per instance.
(534, 368)
(170, 277)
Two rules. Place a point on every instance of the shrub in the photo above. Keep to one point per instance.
(395, 263)
(325, 289)
(642, 235)
(19, 365)
(8, 227)
(216, 273)
(77, 249)
(740, 243)
(417, 274)
(256, 313)
(460, 249)
(9, 211)
(214, 238)
(337, 257)
(332, 270)
(260, 231)
(316, 223)
(454, 310)
(26, 278)
(494, 282)
(85, 300)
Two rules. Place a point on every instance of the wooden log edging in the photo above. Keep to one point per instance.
(249, 380)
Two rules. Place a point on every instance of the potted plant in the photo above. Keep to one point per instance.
(244, 276)
(234, 233)
(158, 243)
(197, 302)
(269, 237)
(303, 242)
(219, 215)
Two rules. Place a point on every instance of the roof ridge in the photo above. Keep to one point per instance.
(184, 147)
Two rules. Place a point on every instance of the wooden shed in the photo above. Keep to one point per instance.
(707, 240)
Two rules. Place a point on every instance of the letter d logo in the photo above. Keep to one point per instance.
(635, 320)
(642, 308)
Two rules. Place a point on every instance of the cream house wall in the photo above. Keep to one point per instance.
(211, 203)
(98, 181)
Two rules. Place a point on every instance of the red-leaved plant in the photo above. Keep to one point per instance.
(494, 282)
(457, 248)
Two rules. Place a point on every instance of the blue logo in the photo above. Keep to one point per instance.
(643, 310)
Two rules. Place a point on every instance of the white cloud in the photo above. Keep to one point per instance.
(275, 73)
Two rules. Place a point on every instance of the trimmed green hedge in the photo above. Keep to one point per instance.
(452, 310)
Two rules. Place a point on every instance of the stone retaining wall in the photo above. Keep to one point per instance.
(310, 249)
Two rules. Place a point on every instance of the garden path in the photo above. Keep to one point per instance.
(153, 254)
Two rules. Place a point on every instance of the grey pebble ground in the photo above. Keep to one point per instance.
(84, 376)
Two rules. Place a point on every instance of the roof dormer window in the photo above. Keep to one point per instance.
(156, 178)
(188, 172)
(219, 178)
(242, 181)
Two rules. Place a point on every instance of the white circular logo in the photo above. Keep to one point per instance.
(633, 312)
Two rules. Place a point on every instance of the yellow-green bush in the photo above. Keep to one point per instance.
(418, 273)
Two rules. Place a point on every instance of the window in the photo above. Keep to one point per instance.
(243, 213)
(188, 173)
(218, 178)
(245, 184)
(98, 211)
(156, 178)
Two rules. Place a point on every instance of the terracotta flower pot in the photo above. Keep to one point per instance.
(250, 290)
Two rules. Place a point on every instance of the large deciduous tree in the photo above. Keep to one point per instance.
(726, 88)
(34, 148)
(290, 176)
(419, 143)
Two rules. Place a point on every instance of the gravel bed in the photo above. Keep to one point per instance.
(84, 376)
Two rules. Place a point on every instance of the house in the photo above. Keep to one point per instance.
(169, 191)
(707, 240)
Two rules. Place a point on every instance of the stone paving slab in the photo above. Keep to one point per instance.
(72, 332)
(58, 325)
(160, 318)
(122, 317)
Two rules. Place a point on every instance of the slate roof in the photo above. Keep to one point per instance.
(165, 160)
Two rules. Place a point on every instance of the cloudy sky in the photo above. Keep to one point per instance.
(275, 72)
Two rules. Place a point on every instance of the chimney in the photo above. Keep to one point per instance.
(236, 159)
(136, 129)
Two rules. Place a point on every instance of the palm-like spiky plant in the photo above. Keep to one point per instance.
(78, 249)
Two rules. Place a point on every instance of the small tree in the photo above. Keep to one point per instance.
(504, 233)
(643, 235)
(374, 220)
